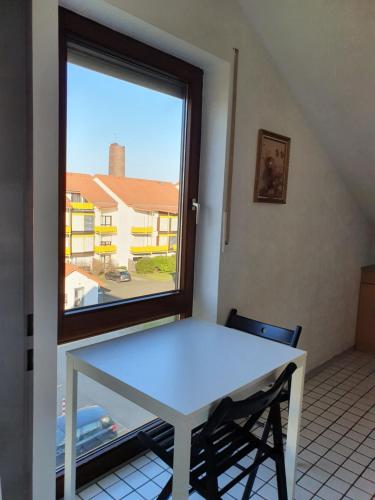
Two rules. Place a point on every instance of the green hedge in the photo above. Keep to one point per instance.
(162, 264)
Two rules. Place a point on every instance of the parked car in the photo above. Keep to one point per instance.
(118, 275)
(94, 428)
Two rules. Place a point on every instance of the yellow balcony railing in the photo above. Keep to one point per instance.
(149, 249)
(67, 252)
(142, 229)
(103, 249)
(77, 205)
(106, 229)
(68, 229)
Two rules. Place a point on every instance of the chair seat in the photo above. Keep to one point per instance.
(230, 442)
(221, 442)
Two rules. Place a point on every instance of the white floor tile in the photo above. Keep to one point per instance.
(328, 493)
(119, 490)
(162, 478)
(151, 470)
(149, 490)
(108, 481)
(102, 496)
(357, 494)
(136, 479)
(309, 484)
(125, 471)
(338, 484)
(366, 485)
(90, 492)
(140, 461)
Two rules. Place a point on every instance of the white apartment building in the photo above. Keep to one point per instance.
(116, 219)
(91, 221)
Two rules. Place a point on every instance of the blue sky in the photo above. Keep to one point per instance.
(104, 109)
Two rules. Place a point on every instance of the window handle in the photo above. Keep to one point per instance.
(196, 207)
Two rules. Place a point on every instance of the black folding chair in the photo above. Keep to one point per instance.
(222, 442)
(266, 331)
(269, 332)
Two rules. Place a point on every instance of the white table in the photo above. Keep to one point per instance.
(178, 372)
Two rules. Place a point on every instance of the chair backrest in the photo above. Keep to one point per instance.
(229, 410)
(264, 330)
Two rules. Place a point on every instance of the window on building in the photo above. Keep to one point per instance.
(89, 223)
(106, 220)
(75, 197)
(130, 138)
(79, 297)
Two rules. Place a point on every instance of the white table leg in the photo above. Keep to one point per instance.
(294, 421)
(70, 430)
(181, 462)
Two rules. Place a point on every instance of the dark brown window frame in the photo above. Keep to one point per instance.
(95, 320)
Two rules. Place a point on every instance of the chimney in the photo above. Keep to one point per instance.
(116, 165)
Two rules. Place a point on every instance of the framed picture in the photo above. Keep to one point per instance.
(271, 176)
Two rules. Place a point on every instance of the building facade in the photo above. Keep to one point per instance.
(115, 220)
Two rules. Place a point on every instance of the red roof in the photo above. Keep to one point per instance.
(89, 189)
(70, 268)
(144, 194)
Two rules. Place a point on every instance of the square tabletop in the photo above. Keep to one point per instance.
(186, 365)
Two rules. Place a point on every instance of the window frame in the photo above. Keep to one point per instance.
(102, 318)
(104, 218)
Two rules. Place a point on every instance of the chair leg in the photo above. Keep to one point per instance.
(279, 448)
(252, 475)
(211, 478)
(281, 478)
(166, 491)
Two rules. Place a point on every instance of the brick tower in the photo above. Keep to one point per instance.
(116, 165)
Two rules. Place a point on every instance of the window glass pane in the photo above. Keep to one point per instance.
(102, 414)
(125, 129)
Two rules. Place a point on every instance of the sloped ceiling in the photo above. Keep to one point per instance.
(325, 50)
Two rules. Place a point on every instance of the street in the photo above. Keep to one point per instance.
(137, 287)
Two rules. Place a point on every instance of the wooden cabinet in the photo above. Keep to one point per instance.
(365, 337)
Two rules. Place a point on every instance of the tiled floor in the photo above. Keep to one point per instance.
(337, 455)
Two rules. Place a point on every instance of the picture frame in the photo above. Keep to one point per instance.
(272, 166)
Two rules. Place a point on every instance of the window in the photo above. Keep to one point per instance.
(88, 223)
(79, 297)
(106, 220)
(129, 160)
(75, 197)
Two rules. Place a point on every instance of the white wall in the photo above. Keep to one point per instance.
(297, 263)
(124, 222)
